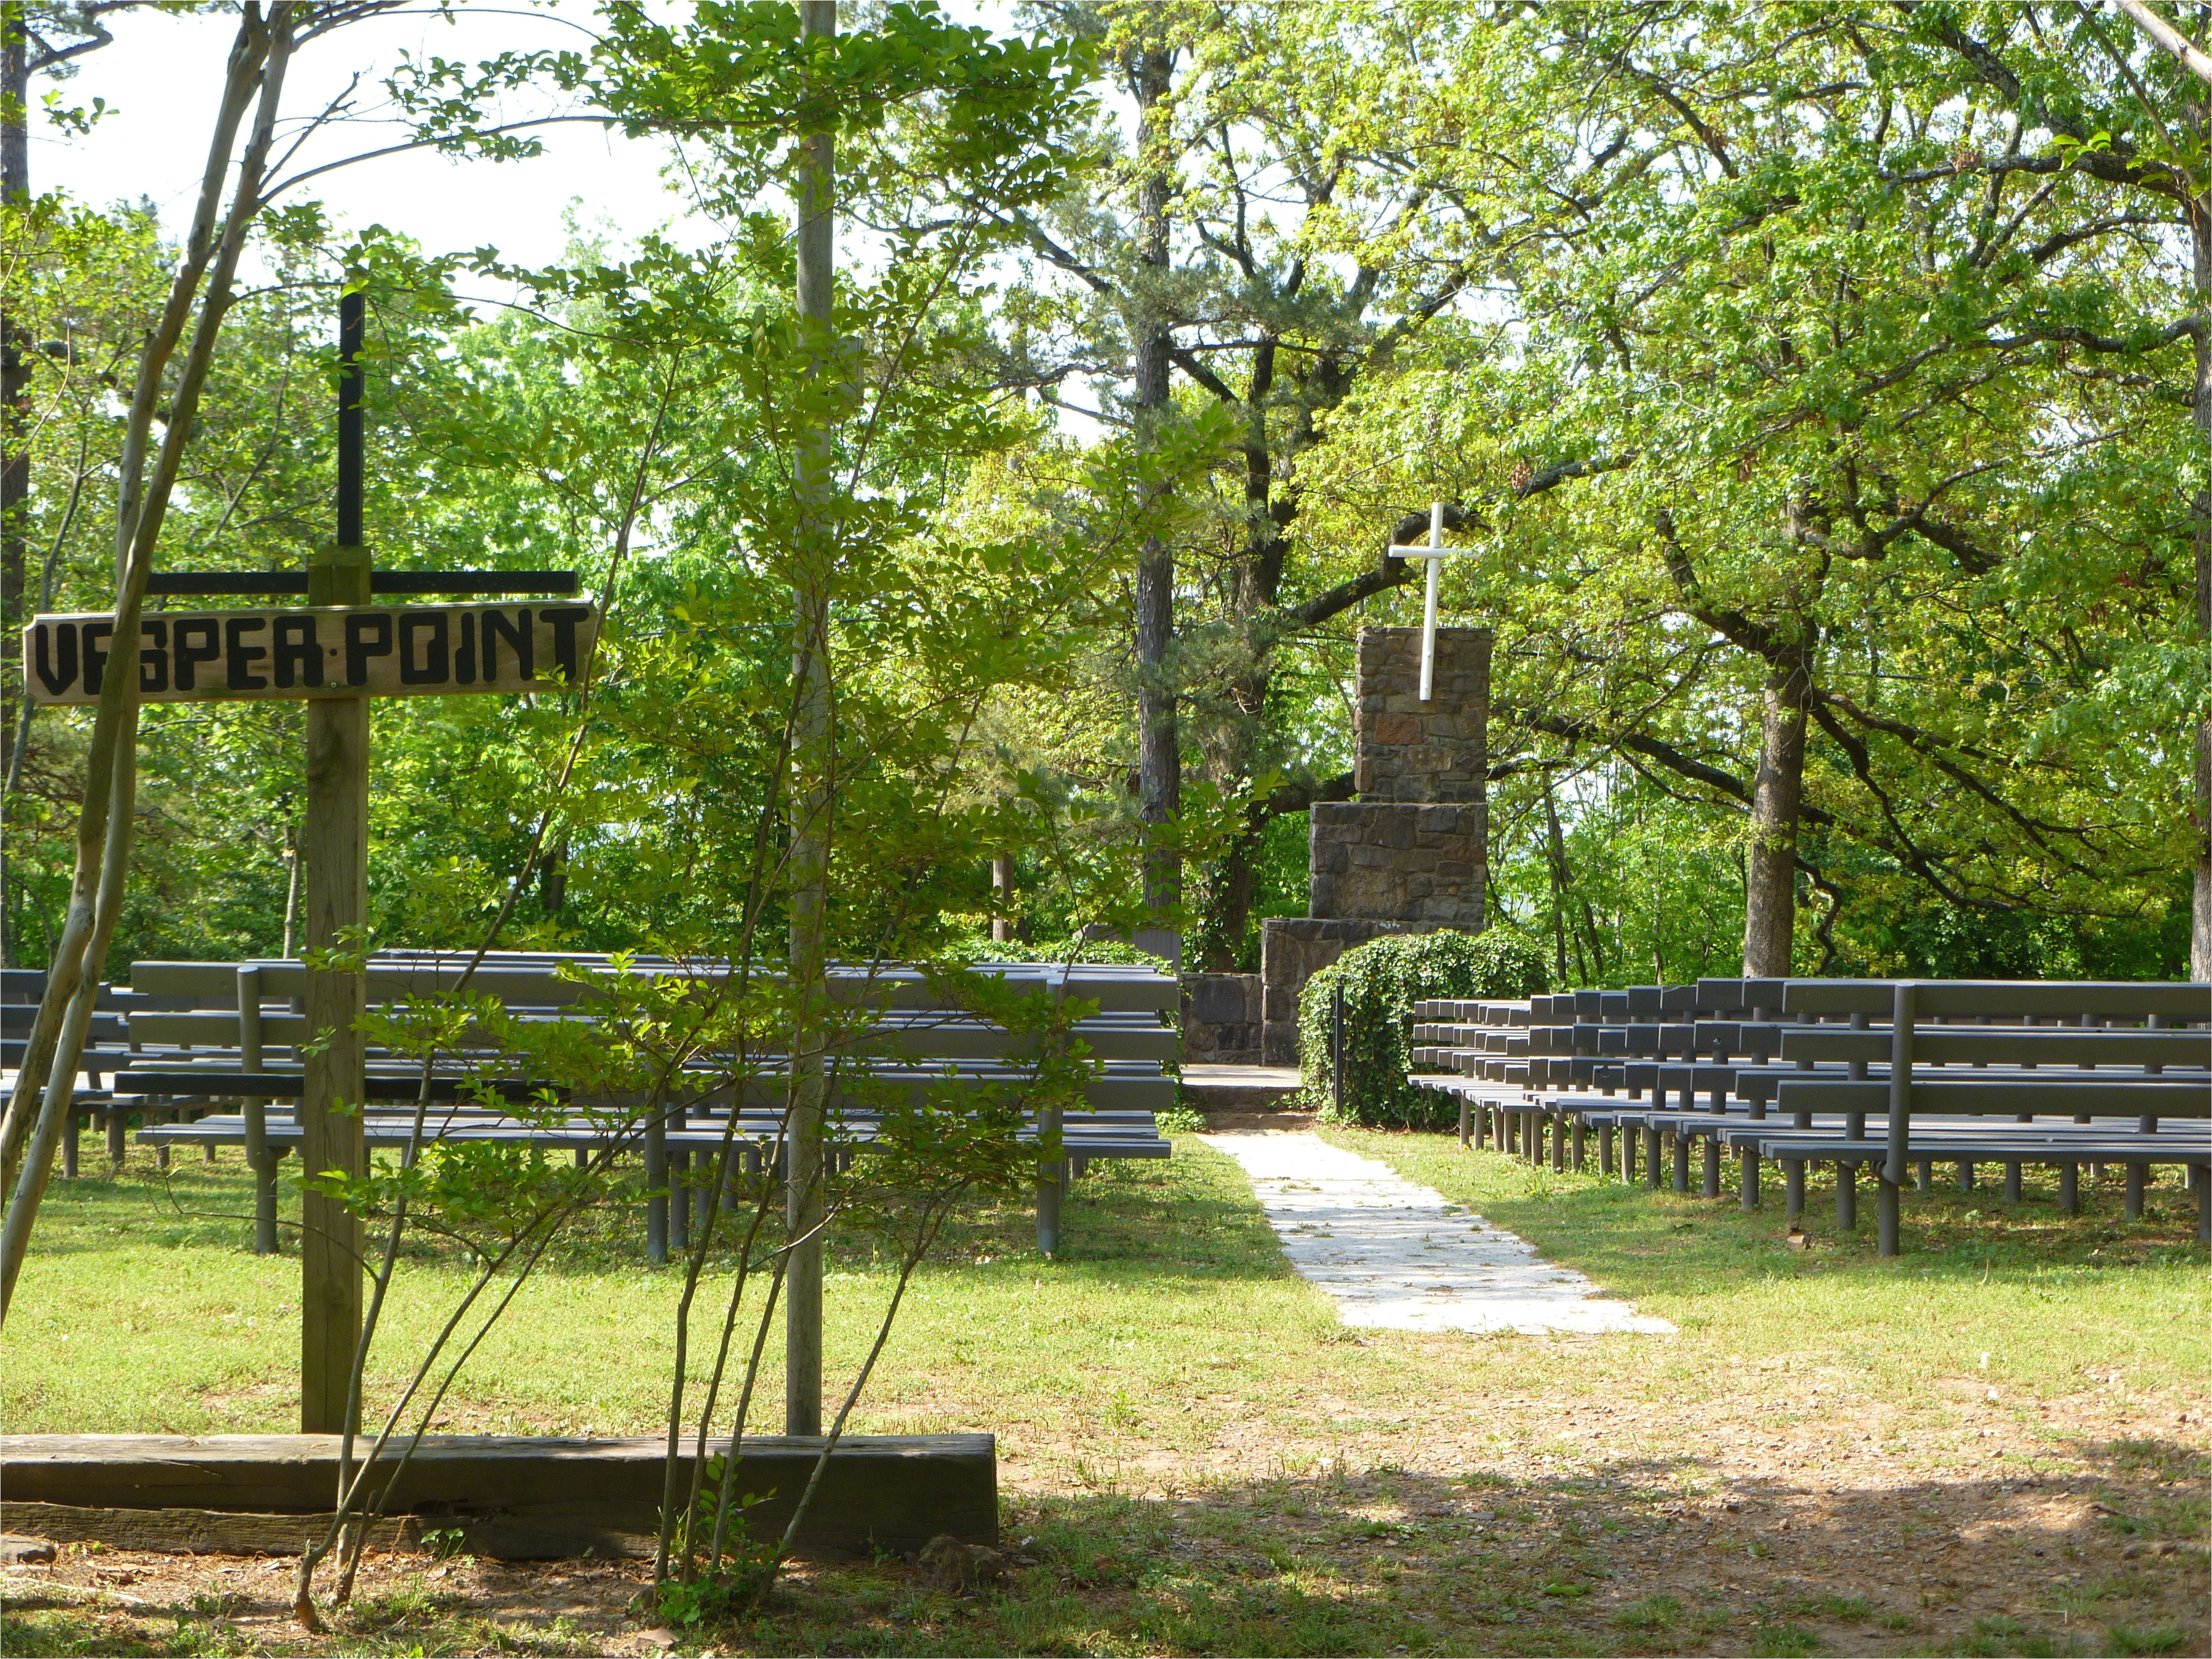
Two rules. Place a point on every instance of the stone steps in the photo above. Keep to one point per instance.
(1242, 1088)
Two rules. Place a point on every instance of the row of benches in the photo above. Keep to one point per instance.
(1791, 1071)
(187, 1039)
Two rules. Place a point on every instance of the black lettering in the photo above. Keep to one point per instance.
(298, 658)
(186, 656)
(64, 637)
(564, 619)
(496, 624)
(238, 657)
(153, 665)
(465, 653)
(432, 670)
(95, 660)
(361, 627)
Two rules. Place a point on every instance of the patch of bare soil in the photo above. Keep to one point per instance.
(1723, 1529)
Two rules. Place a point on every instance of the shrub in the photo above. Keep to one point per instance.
(1382, 979)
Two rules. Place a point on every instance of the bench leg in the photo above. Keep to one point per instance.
(1466, 1112)
(1965, 1175)
(1048, 1211)
(72, 1133)
(1793, 1188)
(1559, 1144)
(2012, 1180)
(1885, 1207)
(656, 1204)
(1713, 1172)
(1652, 1150)
(119, 1141)
(1628, 1144)
(1580, 1155)
(1847, 1198)
(2069, 1188)
(1924, 1174)
(1749, 1157)
(2203, 1204)
(1605, 1149)
(264, 1206)
(1680, 1167)
(2136, 1173)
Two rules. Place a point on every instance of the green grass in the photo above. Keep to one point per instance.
(2028, 1302)
(1196, 1457)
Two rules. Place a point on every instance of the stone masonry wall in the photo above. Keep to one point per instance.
(1292, 949)
(1221, 1019)
(1411, 855)
(1398, 862)
(1411, 751)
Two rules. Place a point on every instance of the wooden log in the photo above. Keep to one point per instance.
(193, 1532)
(525, 1498)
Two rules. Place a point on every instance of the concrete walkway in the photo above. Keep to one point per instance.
(1397, 1256)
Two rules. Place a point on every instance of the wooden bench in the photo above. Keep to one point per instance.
(1827, 1054)
(244, 1023)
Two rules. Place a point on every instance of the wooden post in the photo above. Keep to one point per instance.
(334, 847)
(812, 751)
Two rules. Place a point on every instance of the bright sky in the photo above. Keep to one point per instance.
(162, 76)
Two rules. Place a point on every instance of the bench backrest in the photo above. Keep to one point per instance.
(1961, 998)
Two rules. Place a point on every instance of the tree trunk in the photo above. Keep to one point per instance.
(813, 760)
(553, 879)
(1002, 899)
(1160, 756)
(1769, 897)
(2200, 921)
(1555, 849)
(14, 409)
(1230, 901)
(258, 56)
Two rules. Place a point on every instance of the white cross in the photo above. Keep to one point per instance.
(1434, 553)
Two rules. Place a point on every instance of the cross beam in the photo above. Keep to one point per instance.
(380, 581)
(1434, 553)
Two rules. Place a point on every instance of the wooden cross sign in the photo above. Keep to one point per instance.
(1434, 553)
(320, 640)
